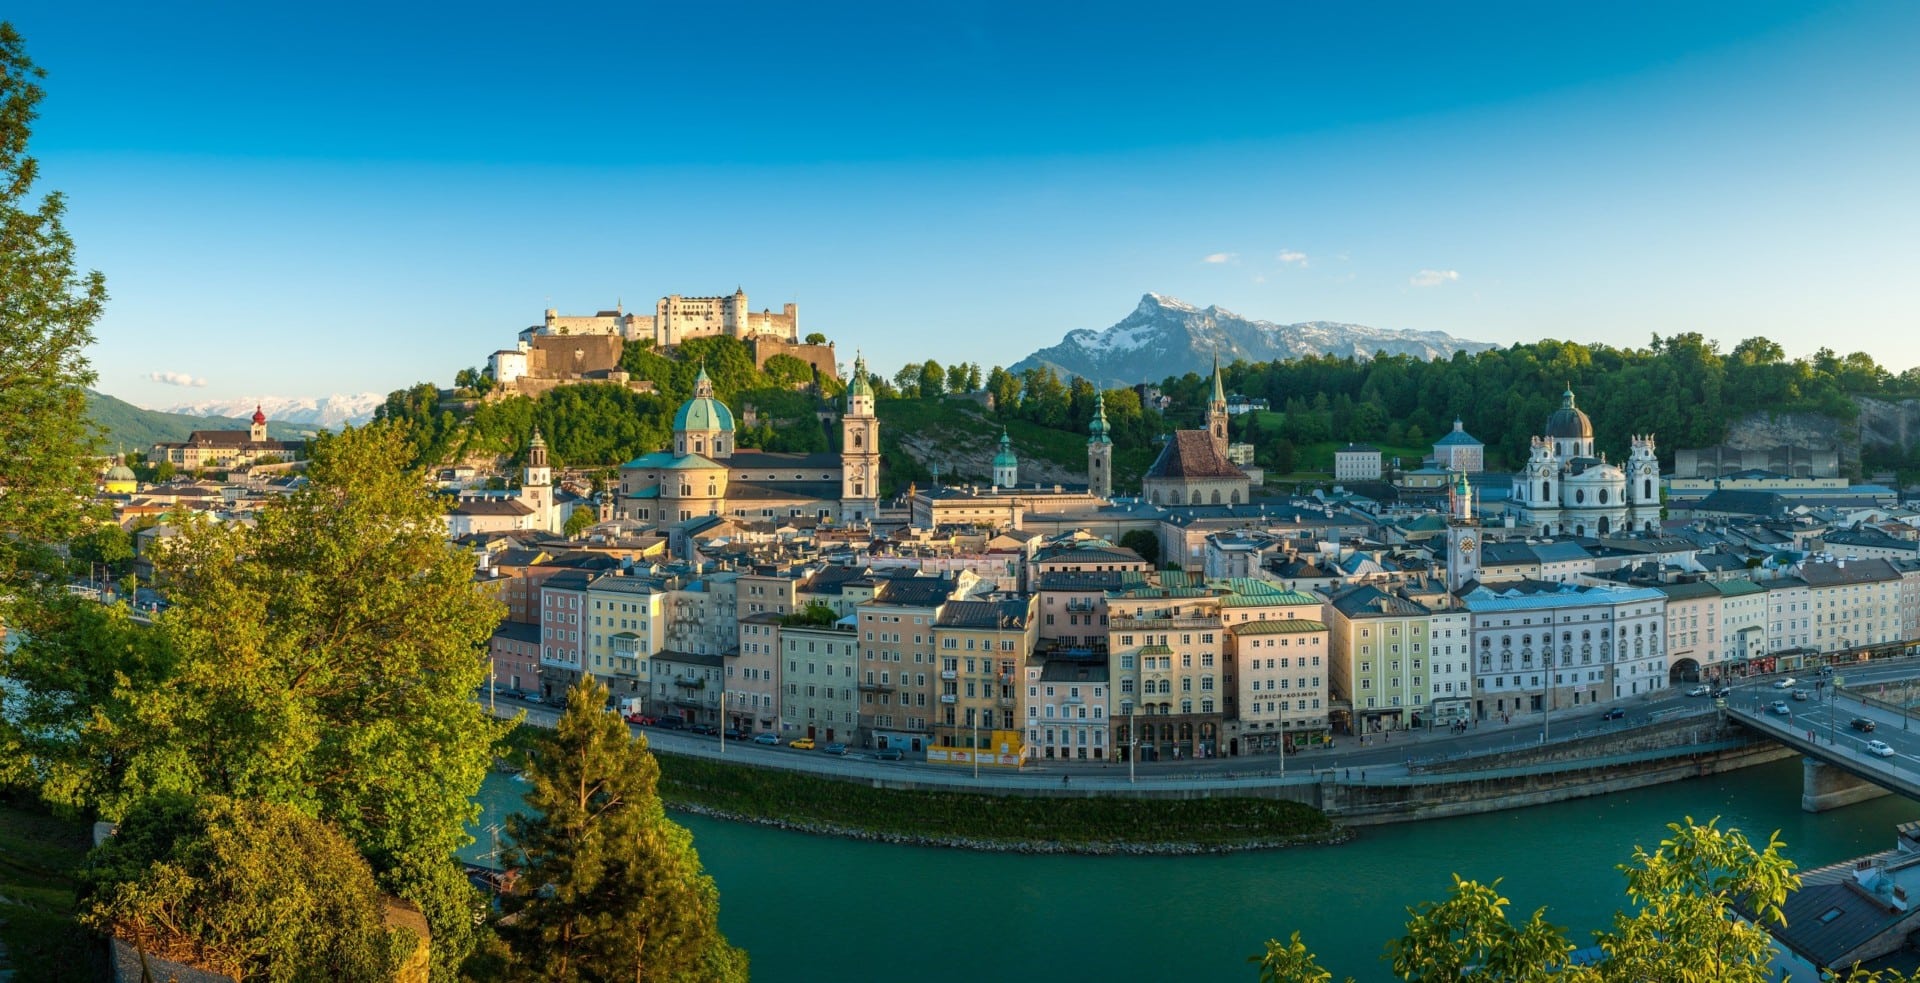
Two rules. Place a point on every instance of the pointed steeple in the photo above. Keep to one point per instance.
(1097, 430)
(702, 384)
(1219, 392)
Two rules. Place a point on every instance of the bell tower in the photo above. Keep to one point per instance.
(1217, 411)
(1099, 450)
(859, 449)
(1463, 534)
(536, 484)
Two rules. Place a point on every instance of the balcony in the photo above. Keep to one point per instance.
(878, 687)
(949, 674)
(1073, 701)
(690, 682)
(949, 698)
(1006, 702)
(1118, 623)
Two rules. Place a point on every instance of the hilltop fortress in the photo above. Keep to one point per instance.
(579, 348)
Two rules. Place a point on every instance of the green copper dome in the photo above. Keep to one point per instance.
(1005, 458)
(703, 411)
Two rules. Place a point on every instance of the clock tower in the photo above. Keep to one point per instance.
(859, 450)
(1463, 534)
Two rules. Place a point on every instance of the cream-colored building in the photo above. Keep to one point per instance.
(1166, 657)
(899, 667)
(982, 645)
(624, 625)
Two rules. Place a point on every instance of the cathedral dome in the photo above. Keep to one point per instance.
(120, 472)
(703, 411)
(1005, 458)
(1568, 422)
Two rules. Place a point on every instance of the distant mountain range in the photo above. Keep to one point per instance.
(130, 428)
(327, 412)
(1166, 337)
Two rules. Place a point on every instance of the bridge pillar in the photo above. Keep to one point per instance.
(1825, 787)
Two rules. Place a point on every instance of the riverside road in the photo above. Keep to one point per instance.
(1384, 756)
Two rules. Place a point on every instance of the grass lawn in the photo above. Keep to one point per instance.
(38, 853)
(806, 799)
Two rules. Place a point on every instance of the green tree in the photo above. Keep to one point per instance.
(106, 544)
(933, 380)
(957, 378)
(325, 659)
(164, 472)
(1683, 927)
(47, 312)
(1143, 542)
(1469, 937)
(816, 338)
(613, 888)
(1005, 388)
(579, 521)
(907, 381)
(1290, 962)
(250, 889)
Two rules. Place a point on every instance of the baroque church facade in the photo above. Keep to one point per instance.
(703, 474)
(1565, 490)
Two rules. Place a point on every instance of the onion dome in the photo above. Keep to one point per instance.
(1098, 430)
(1005, 458)
(259, 415)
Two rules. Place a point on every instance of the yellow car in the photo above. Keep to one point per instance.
(801, 744)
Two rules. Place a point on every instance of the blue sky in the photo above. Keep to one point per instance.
(343, 197)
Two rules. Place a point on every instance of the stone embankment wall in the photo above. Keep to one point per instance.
(1686, 732)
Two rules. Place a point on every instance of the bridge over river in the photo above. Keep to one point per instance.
(1842, 763)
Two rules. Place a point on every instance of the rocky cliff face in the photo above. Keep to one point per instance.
(1881, 423)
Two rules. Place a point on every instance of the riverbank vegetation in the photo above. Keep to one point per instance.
(1695, 906)
(1093, 823)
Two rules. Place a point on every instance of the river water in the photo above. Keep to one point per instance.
(815, 908)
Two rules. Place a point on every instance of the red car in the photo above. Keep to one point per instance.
(641, 719)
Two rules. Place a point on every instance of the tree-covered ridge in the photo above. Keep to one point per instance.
(1683, 389)
(603, 424)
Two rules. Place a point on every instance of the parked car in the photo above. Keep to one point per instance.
(1880, 748)
(1861, 724)
(641, 719)
(1700, 691)
(1802, 695)
(1786, 683)
(801, 744)
(889, 754)
(1826, 670)
(705, 730)
(1723, 692)
(768, 738)
(1780, 707)
(732, 734)
(670, 723)
(1614, 713)
(835, 748)
(533, 698)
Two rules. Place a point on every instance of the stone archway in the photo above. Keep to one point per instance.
(1684, 671)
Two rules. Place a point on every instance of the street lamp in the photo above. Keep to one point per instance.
(974, 720)
(1133, 732)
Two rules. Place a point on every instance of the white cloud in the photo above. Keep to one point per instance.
(177, 379)
(1433, 278)
(1292, 256)
(1218, 258)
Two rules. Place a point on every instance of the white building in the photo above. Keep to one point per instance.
(1356, 462)
(1540, 647)
(1282, 671)
(1066, 714)
(1565, 489)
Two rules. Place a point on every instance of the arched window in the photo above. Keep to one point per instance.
(1236, 496)
(1603, 496)
(1546, 490)
(1646, 489)
(1216, 496)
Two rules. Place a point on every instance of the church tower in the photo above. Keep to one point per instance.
(1643, 485)
(536, 485)
(859, 450)
(1099, 450)
(258, 432)
(1463, 534)
(1217, 411)
(1006, 467)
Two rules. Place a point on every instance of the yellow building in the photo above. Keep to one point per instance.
(999, 749)
(981, 646)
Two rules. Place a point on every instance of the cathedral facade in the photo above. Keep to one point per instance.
(1565, 490)
(702, 473)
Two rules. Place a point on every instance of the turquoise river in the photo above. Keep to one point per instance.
(816, 908)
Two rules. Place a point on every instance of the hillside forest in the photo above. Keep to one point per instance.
(1684, 389)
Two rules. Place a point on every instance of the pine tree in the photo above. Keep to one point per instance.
(611, 889)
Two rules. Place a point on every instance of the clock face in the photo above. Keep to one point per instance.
(1467, 544)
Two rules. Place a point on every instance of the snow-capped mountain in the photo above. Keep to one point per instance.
(331, 412)
(1167, 337)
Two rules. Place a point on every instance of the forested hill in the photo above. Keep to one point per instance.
(129, 427)
(1682, 389)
